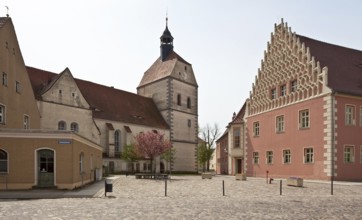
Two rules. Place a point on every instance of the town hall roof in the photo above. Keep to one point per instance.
(344, 65)
(106, 102)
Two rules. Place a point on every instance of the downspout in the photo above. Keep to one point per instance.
(332, 138)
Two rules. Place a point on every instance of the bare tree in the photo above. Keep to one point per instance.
(209, 135)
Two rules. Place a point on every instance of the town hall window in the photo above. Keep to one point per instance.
(2, 114)
(286, 156)
(304, 119)
(349, 154)
(256, 157)
(256, 128)
(283, 90)
(273, 93)
(3, 161)
(308, 155)
(269, 157)
(62, 126)
(280, 124)
(350, 115)
(293, 86)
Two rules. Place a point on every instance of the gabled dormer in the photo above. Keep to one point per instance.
(57, 88)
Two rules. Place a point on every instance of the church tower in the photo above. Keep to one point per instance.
(171, 83)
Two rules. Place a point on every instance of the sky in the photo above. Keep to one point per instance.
(113, 42)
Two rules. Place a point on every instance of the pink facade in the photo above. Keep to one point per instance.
(348, 136)
(222, 154)
(304, 114)
(293, 138)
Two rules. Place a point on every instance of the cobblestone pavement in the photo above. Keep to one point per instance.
(190, 197)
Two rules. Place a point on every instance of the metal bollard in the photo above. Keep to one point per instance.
(223, 188)
(165, 187)
(281, 187)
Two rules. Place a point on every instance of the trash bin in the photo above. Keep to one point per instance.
(108, 187)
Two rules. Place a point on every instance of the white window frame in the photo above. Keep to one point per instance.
(64, 127)
(236, 137)
(4, 79)
(304, 119)
(350, 115)
(256, 129)
(2, 114)
(74, 127)
(18, 87)
(273, 93)
(269, 157)
(348, 154)
(279, 121)
(26, 122)
(287, 156)
(308, 155)
(293, 85)
(256, 157)
(81, 163)
(283, 90)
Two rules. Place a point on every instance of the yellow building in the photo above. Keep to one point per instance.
(31, 157)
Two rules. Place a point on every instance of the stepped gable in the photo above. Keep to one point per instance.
(316, 67)
(344, 65)
(106, 102)
(161, 69)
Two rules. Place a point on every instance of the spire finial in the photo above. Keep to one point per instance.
(166, 19)
(7, 11)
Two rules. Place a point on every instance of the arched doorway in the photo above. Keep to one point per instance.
(45, 168)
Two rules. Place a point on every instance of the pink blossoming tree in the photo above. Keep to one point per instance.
(151, 144)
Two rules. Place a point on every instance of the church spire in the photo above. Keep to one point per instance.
(166, 42)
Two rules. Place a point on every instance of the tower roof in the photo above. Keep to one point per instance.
(166, 37)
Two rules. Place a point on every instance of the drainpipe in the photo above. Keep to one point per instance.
(332, 139)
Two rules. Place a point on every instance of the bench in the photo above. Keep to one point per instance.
(240, 176)
(151, 176)
(206, 175)
(295, 181)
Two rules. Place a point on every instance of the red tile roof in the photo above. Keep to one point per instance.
(239, 118)
(160, 70)
(344, 65)
(106, 102)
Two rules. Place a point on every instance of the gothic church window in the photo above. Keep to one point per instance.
(117, 140)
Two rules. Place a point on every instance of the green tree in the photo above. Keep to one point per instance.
(129, 154)
(206, 147)
(169, 156)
